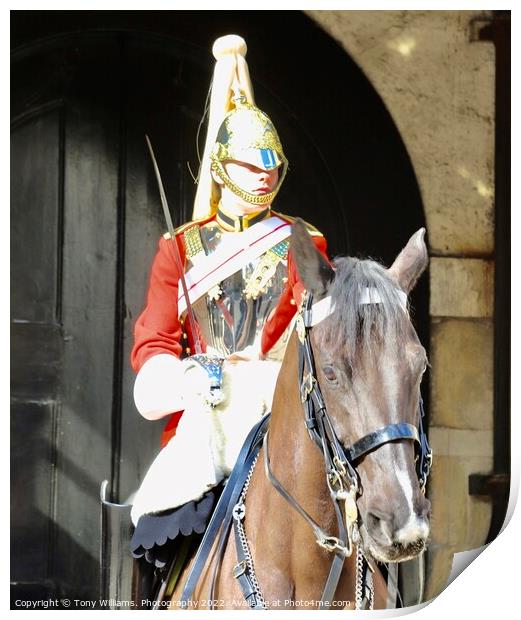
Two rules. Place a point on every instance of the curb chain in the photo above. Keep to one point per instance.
(239, 512)
(360, 580)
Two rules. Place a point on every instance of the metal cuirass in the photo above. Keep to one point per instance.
(232, 315)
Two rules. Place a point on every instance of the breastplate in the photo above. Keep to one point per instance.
(230, 320)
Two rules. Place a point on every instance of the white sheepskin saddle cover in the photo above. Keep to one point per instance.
(208, 440)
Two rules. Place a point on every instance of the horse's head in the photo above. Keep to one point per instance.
(369, 365)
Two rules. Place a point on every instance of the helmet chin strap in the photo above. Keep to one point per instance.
(254, 199)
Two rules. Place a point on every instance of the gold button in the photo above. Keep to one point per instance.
(188, 351)
(292, 302)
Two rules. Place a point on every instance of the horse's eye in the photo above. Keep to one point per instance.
(329, 373)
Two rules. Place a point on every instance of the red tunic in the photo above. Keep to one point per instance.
(158, 328)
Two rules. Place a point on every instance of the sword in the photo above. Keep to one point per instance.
(174, 250)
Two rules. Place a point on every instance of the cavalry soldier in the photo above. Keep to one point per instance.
(239, 295)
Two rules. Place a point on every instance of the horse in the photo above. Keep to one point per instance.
(335, 489)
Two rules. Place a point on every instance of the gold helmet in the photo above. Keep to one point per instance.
(237, 130)
(248, 135)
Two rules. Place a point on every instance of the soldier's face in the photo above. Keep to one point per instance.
(251, 179)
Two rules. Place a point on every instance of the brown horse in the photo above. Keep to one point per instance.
(368, 366)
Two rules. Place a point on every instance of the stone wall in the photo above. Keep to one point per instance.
(438, 86)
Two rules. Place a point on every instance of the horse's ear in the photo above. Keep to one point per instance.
(410, 262)
(314, 271)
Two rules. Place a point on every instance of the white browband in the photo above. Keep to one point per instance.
(320, 311)
(323, 308)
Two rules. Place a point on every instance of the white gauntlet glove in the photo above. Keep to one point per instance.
(158, 386)
(164, 384)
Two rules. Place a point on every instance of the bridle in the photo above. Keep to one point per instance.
(340, 463)
(317, 420)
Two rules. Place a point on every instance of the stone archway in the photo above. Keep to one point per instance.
(437, 80)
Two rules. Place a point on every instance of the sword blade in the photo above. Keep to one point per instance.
(174, 250)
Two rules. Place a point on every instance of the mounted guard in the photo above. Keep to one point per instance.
(208, 346)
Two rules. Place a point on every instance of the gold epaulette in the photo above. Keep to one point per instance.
(185, 227)
(314, 232)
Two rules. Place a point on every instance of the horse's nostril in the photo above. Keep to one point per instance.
(378, 519)
(380, 515)
(379, 525)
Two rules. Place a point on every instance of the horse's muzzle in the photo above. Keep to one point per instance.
(396, 538)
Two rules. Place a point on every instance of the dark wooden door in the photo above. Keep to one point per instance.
(86, 219)
(85, 227)
(65, 190)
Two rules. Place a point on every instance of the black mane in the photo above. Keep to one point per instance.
(356, 327)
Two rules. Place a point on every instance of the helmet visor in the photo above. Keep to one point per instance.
(265, 159)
